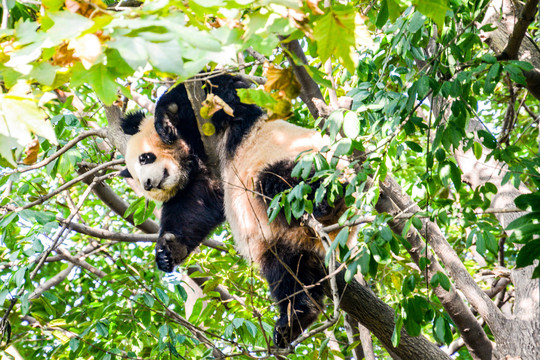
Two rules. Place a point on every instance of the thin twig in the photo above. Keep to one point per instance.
(93, 132)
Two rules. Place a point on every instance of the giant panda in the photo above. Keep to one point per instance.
(256, 159)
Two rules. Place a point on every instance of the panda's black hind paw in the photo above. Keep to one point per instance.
(169, 252)
(284, 334)
(166, 131)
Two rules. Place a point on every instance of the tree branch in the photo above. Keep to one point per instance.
(498, 40)
(310, 93)
(94, 132)
(526, 17)
(55, 280)
(196, 96)
(472, 333)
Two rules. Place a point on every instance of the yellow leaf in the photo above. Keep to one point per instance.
(20, 117)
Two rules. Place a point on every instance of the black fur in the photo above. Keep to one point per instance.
(131, 122)
(172, 125)
(298, 308)
(190, 216)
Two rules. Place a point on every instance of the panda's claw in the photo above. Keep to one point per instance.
(164, 258)
(170, 252)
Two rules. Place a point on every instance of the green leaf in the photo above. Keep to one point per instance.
(528, 202)
(529, 253)
(416, 22)
(414, 146)
(162, 296)
(102, 329)
(333, 123)
(100, 78)
(409, 284)
(148, 300)
(166, 56)
(396, 334)
(67, 26)
(74, 344)
(477, 150)
(382, 15)
(516, 74)
(433, 9)
(489, 140)
(527, 219)
(417, 222)
(334, 33)
(492, 78)
(344, 147)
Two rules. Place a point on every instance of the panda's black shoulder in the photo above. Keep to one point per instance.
(131, 122)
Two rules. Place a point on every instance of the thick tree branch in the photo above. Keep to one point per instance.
(363, 306)
(143, 101)
(526, 17)
(392, 201)
(310, 94)
(502, 14)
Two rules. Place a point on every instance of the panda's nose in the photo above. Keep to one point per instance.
(148, 185)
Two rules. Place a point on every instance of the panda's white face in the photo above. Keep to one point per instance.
(156, 166)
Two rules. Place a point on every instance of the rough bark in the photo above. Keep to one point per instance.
(392, 201)
(363, 306)
(502, 15)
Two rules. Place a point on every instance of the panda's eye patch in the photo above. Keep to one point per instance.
(147, 158)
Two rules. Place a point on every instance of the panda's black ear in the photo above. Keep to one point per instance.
(131, 122)
(125, 173)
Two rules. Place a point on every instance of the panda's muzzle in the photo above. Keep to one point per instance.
(149, 184)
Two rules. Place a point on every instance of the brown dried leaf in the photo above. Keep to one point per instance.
(314, 6)
(32, 151)
(63, 56)
(213, 104)
(282, 80)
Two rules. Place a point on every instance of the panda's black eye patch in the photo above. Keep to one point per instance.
(147, 158)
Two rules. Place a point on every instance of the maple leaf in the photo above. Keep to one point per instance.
(282, 80)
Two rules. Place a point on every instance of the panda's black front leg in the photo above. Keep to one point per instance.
(290, 274)
(186, 220)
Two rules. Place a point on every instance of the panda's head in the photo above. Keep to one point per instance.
(160, 169)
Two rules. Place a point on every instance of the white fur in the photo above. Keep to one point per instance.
(168, 157)
(266, 144)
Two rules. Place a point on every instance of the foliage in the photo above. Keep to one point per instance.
(63, 62)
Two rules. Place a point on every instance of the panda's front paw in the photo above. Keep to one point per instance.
(170, 252)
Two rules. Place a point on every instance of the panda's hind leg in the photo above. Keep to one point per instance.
(291, 275)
